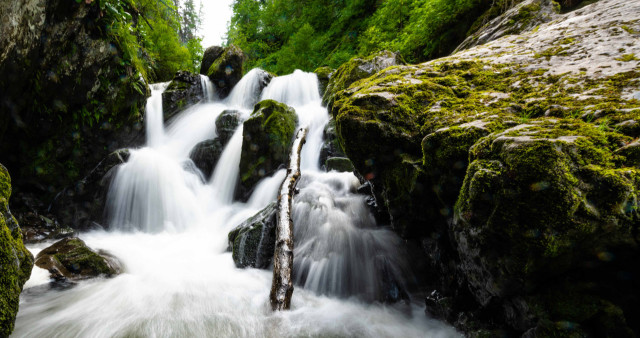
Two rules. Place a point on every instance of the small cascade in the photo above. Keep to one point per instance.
(296, 89)
(154, 120)
(225, 176)
(207, 88)
(245, 94)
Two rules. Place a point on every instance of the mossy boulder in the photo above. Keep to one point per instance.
(267, 137)
(227, 70)
(354, 70)
(209, 57)
(81, 205)
(331, 145)
(71, 260)
(16, 261)
(253, 242)
(503, 234)
(184, 90)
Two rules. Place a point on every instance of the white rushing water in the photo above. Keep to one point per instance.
(169, 227)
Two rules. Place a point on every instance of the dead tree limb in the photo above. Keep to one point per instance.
(282, 284)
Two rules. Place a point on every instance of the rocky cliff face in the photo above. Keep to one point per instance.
(68, 96)
(512, 164)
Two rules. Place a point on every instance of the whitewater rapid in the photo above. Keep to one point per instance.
(169, 227)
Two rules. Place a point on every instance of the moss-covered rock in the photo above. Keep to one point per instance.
(226, 125)
(227, 70)
(253, 242)
(324, 75)
(267, 137)
(512, 163)
(16, 261)
(184, 90)
(209, 57)
(340, 164)
(72, 260)
(354, 70)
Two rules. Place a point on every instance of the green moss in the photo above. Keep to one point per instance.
(16, 261)
(628, 58)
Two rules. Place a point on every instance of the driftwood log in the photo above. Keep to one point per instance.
(282, 284)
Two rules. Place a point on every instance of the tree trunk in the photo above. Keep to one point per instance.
(282, 285)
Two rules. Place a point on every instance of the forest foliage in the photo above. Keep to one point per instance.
(157, 37)
(283, 35)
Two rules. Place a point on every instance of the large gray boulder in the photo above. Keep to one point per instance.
(184, 90)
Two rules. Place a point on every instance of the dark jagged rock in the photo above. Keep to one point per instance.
(71, 260)
(66, 96)
(267, 136)
(357, 69)
(184, 90)
(331, 145)
(16, 261)
(205, 156)
(81, 206)
(209, 57)
(508, 163)
(226, 125)
(227, 70)
(253, 242)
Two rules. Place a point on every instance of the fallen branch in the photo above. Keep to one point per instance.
(282, 285)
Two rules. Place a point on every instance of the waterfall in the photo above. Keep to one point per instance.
(169, 227)
(246, 93)
(153, 114)
(207, 88)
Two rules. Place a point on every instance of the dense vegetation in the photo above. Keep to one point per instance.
(160, 37)
(282, 35)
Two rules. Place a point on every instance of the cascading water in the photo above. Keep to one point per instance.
(207, 88)
(169, 228)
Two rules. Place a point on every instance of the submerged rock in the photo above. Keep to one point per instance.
(510, 164)
(227, 69)
(184, 90)
(72, 260)
(16, 261)
(267, 137)
(340, 164)
(253, 242)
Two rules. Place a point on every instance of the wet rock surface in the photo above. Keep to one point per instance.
(253, 242)
(184, 90)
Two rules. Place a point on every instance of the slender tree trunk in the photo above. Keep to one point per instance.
(282, 285)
